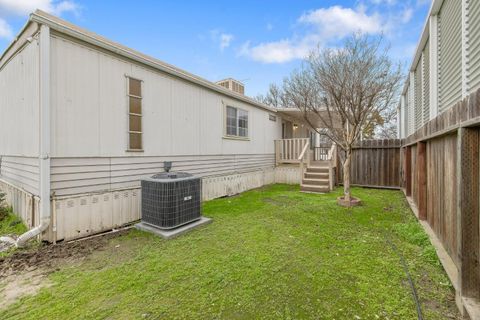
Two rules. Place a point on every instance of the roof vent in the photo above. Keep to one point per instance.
(232, 85)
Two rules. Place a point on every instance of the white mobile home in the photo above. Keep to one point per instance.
(83, 119)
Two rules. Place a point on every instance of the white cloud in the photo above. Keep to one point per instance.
(5, 30)
(222, 39)
(326, 24)
(279, 51)
(269, 26)
(337, 21)
(225, 40)
(23, 7)
(407, 15)
(389, 2)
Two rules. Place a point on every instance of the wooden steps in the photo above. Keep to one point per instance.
(316, 179)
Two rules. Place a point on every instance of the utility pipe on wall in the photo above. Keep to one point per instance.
(44, 157)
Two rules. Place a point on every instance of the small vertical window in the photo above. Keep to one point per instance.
(231, 121)
(134, 114)
(243, 123)
(236, 122)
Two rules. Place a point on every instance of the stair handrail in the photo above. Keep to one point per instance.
(305, 148)
(301, 157)
(332, 155)
(332, 163)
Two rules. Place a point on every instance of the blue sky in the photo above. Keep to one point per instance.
(258, 42)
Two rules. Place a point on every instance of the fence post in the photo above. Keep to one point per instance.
(468, 212)
(408, 171)
(422, 179)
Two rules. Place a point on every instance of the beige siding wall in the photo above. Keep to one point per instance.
(426, 82)
(19, 118)
(82, 175)
(22, 172)
(450, 54)
(89, 107)
(418, 95)
(410, 101)
(19, 103)
(182, 122)
(474, 42)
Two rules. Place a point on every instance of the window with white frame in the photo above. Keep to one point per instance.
(236, 122)
(134, 114)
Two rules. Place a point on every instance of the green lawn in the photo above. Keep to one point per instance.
(271, 253)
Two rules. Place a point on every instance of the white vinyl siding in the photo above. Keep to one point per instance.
(75, 175)
(19, 103)
(19, 119)
(474, 44)
(22, 172)
(178, 118)
(450, 53)
(410, 112)
(418, 95)
(426, 82)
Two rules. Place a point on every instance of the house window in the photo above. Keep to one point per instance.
(237, 122)
(134, 114)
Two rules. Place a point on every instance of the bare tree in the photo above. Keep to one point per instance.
(275, 97)
(387, 129)
(346, 88)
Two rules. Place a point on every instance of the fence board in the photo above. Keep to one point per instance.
(452, 175)
(375, 163)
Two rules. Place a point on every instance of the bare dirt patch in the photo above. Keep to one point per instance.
(23, 284)
(25, 272)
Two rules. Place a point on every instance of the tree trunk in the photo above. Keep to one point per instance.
(346, 176)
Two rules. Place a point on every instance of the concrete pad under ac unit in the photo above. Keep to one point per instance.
(172, 233)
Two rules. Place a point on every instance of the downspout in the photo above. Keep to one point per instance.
(44, 157)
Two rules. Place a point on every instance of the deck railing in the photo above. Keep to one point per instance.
(332, 164)
(321, 153)
(304, 158)
(298, 151)
(289, 150)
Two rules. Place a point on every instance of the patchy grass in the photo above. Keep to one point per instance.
(10, 224)
(271, 253)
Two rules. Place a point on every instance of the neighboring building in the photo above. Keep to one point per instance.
(446, 65)
(83, 119)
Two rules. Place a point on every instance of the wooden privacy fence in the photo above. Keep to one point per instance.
(441, 175)
(375, 163)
